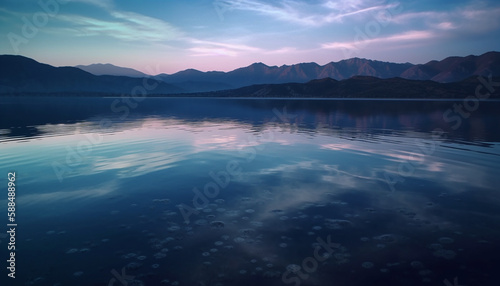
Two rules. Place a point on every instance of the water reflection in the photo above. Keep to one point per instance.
(28, 117)
(101, 197)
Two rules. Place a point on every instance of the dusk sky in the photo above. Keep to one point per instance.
(158, 36)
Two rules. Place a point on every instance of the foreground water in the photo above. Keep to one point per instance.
(251, 192)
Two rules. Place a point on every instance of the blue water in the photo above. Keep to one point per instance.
(249, 191)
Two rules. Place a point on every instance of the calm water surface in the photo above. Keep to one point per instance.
(251, 192)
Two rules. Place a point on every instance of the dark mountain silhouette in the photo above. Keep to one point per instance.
(456, 68)
(23, 75)
(359, 87)
(448, 70)
(109, 69)
(348, 78)
(259, 73)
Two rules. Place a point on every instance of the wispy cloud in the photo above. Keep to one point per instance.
(222, 48)
(98, 3)
(113, 23)
(286, 11)
(305, 13)
(416, 28)
(345, 9)
(474, 18)
(284, 50)
(211, 48)
(127, 26)
(405, 37)
(9, 12)
(148, 26)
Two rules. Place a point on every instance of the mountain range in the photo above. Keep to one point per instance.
(21, 75)
(451, 69)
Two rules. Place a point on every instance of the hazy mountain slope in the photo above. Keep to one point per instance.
(109, 69)
(23, 75)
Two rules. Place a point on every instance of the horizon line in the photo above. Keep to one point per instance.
(254, 63)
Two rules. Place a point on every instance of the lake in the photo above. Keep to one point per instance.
(197, 191)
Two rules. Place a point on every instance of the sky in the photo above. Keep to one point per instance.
(166, 36)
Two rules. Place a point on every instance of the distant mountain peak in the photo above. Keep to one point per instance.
(190, 72)
(110, 69)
